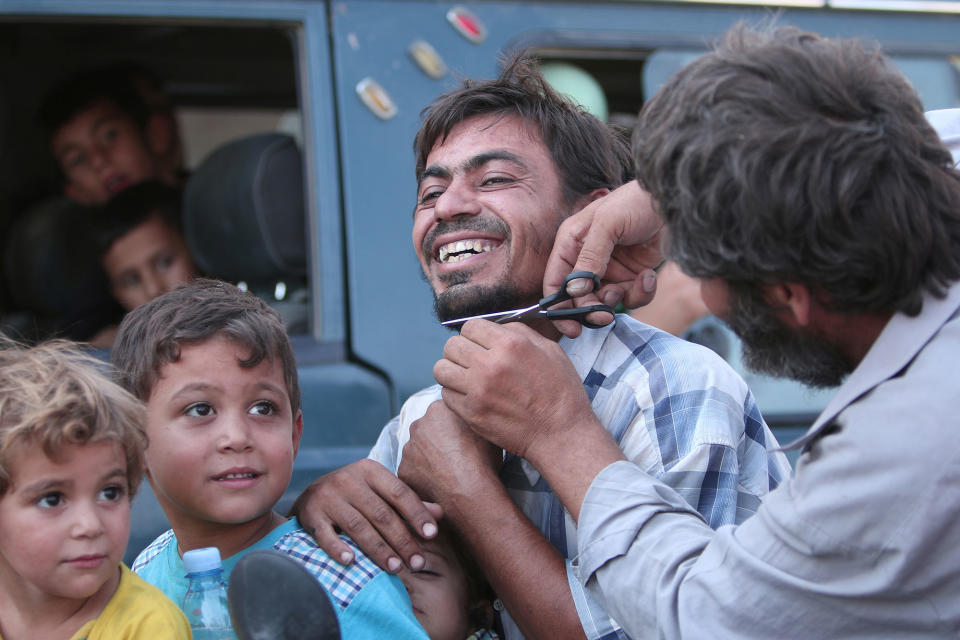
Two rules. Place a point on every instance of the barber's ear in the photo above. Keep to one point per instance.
(791, 299)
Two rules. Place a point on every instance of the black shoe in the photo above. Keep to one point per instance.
(274, 597)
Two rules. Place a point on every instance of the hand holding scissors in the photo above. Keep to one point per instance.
(542, 309)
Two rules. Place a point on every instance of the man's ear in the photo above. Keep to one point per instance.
(792, 299)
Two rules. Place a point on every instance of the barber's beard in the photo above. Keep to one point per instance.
(772, 348)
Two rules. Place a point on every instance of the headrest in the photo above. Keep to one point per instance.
(243, 213)
(53, 275)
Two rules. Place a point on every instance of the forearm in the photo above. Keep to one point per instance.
(572, 457)
(527, 573)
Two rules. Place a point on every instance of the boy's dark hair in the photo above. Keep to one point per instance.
(82, 90)
(129, 209)
(152, 334)
(53, 394)
(784, 156)
(586, 151)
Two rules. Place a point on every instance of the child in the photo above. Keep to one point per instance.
(105, 138)
(138, 238)
(216, 371)
(450, 596)
(71, 458)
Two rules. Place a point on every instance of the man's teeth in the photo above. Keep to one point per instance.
(456, 251)
(237, 476)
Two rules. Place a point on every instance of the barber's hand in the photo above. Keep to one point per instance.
(444, 458)
(373, 507)
(512, 386)
(618, 238)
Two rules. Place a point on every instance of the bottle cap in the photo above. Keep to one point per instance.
(205, 559)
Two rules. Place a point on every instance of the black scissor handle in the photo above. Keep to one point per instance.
(563, 295)
(580, 314)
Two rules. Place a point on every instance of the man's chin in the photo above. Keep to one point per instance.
(464, 301)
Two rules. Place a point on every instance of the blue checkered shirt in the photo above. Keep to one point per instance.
(677, 410)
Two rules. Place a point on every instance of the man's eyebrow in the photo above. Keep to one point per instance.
(481, 159)
(477, 161)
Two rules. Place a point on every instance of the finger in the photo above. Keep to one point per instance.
(450, 375)
(332, 544)
(462, 350)
(641, 290)
(436, 511)
(358, 526)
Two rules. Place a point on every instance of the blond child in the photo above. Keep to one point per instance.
(71, 458)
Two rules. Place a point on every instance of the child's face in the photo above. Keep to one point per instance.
(64, 525)
(439, 593)
(146, 262)
(222, 438)
(101, 152)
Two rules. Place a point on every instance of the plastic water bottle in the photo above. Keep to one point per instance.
(206, 601)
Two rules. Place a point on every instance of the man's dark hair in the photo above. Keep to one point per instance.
(587, 153)
(129, 209)
(786, 156)
(152, 334)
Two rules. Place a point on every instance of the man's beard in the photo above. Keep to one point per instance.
(460, 300)
(772, 348)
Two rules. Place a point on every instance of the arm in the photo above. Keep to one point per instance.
(618, 238)
(373, 507)
(445, 461)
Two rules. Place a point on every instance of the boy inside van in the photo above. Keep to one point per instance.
(71, 458)
(216, 371)
(104, 138)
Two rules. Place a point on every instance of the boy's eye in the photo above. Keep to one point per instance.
(108, 134)
(425, 573)
(112, 493)
(50, 500)
(263, 408)
(199, 410)
(163, 261)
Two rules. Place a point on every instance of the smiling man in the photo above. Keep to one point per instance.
(500, 164)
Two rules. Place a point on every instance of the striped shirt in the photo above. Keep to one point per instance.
(677, 410)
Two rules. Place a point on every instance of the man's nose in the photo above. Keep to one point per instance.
(153, 285)
(458, 199)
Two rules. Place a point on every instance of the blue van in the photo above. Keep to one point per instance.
(297, 119)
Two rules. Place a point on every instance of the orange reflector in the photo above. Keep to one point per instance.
(376, 98)
(467, 24)
(427, 59)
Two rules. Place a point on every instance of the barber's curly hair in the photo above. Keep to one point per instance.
(787, 156)
(587, 152)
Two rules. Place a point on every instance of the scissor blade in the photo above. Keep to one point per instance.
(498, 316)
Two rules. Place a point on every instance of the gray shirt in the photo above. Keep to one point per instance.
(863, 541)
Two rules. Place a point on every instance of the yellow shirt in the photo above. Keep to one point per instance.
(136, 611)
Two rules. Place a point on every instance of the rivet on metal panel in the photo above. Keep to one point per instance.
(467, 24)
(376, 98)
(427, 59)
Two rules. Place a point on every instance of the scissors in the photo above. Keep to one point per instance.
(541, 309)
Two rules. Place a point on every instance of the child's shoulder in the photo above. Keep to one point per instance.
(153, 551)
(138, 610)
(343, 582)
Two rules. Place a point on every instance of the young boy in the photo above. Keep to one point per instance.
(138, 238)
(451, 598)
(104, 137)
(217, 373)
(71, 458)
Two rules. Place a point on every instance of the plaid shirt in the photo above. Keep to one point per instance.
(678, 411)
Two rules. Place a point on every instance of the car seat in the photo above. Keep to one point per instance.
(243, 218)
(55, 281)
